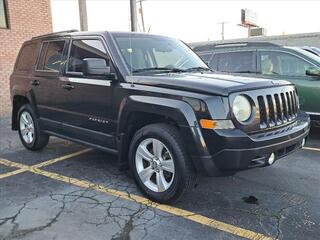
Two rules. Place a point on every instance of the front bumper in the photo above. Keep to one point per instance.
(234, 150)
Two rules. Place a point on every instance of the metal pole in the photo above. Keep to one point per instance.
(133, 12)
(142, 17)
(83, 15)
(222, 29)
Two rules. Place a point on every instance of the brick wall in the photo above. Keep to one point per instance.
(27, 18)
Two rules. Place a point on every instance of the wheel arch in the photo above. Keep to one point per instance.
(18, 100)
(138, 111)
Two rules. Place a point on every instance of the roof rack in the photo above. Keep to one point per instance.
(56, 33)
(207, 47)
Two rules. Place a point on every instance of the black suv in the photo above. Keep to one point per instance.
(152, 101)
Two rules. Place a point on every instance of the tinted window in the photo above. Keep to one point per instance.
(81, 49)
(237, 62)
(205, 57)
(280, 63)
(27, 58)
(51, 56)
(42, 56)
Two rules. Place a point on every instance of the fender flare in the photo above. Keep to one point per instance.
(29, 95)
(177, 110)
(30, 98)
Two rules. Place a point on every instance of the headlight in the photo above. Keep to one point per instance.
(241, 108)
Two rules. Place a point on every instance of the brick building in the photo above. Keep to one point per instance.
(19, 21)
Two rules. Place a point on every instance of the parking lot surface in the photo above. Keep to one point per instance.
(68, 191)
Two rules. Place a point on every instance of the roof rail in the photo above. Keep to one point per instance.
(212, 46)
(55, 33)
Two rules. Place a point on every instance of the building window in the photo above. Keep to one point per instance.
(3, 15)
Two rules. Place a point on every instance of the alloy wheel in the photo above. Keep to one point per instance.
(155, 165)
(26, 127)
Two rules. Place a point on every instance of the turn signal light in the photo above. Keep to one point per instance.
(207, 123)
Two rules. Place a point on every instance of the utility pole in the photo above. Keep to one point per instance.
(83, 15)
(142, 17)
(133, 13)
(222, 29)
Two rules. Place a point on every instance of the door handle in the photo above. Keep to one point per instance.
(68, 86)
(35, 82)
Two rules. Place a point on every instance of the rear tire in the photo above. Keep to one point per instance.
(29, 131)
(160, 164)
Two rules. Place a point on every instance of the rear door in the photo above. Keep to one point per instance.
(46, 82)
(85, 102)
(283, 65)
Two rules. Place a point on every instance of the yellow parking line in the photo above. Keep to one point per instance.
(52, 161)
(12, 164)
(24, 168)
(312, 149)
(5, 175)
(241, 232)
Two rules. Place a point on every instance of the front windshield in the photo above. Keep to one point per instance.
(149, 53)
(305, 52)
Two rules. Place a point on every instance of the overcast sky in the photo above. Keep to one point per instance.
(192, 20)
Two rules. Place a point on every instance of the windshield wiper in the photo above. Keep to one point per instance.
(198, 69)
(158, 69)
(245, 71)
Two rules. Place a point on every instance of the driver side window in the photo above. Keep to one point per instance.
(81, 49)
(283, 64)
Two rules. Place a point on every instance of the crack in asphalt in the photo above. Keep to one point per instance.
(279, 217)
(16, 232)
(126, 218)
(293, 200)
(12, 218)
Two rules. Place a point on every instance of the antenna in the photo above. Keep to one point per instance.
(133, 17)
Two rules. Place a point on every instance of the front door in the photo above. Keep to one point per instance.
(286, 66)
(85, 102)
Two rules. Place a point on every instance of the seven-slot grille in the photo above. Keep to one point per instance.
(277, 108)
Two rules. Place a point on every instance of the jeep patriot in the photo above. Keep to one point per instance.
(152, 101)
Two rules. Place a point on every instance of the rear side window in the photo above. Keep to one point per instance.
(27, 58)
(235, 62)
(81, 49)
(51, 56)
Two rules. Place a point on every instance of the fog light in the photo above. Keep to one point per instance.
(271, 158)
(303, 142)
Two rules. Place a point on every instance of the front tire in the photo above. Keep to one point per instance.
(160, 164)
(29, 131)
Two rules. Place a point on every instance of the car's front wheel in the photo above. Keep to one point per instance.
(29, 131)
(160, 164)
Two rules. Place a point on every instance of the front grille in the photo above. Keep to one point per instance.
(277, 108)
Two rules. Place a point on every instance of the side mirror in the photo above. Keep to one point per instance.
(97, 67)
(313, 71)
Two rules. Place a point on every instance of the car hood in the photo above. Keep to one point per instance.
(212, 83)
